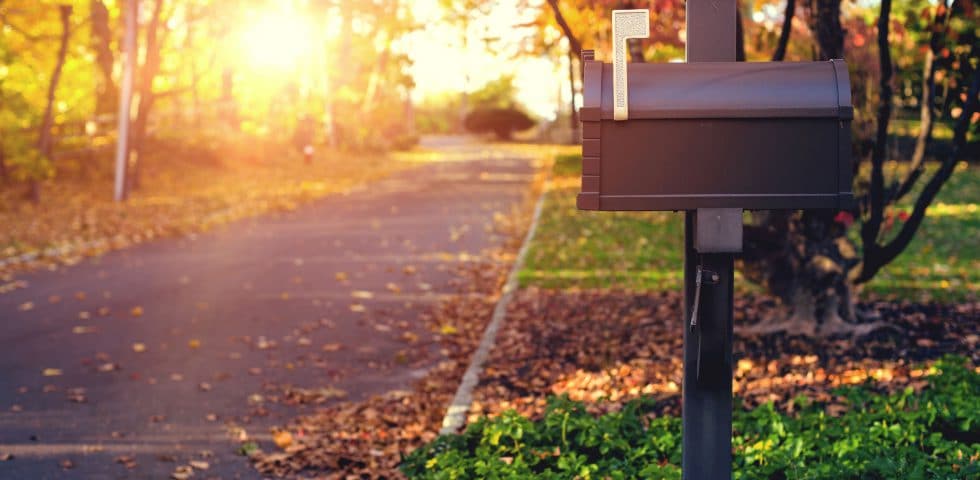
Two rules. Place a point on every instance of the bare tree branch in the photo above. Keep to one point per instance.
(44, 140)
(573, 41)
(892, 249)
(876, 194)
(926, 108)
(780, 52)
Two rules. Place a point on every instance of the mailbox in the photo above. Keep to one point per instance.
(683, 136)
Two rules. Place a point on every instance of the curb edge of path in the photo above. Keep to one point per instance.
(456, 412)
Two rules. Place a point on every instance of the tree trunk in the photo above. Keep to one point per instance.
(44, 138)
(824, 19)
(149, 70)
(106, 93)
(573, 114)
(804, 260)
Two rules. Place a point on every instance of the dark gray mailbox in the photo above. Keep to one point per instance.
(716, 135)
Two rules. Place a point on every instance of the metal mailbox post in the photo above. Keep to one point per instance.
(711, 137)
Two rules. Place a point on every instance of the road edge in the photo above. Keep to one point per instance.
(455, 416)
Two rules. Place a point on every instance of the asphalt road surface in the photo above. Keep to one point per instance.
(129, 365)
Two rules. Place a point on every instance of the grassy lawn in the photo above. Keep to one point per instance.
(644, 250)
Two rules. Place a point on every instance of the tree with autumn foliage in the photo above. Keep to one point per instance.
(815, 261)
(218, 67)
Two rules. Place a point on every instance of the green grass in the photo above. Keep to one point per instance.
(644, 250)
(943, 261)
(930, 434)
(572, 248)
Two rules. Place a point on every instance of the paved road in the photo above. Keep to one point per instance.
(174, 341)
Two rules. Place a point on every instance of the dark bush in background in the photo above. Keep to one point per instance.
(502, 122)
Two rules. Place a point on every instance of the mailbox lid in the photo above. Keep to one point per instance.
(730, 90)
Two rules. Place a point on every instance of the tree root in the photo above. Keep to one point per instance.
(806, 324)
(796, 324)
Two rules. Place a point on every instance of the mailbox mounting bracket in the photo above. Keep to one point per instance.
(718, 230)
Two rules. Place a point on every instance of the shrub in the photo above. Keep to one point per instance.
(502, 122)
(933, 434)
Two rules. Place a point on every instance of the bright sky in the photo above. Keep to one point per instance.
(443, 60)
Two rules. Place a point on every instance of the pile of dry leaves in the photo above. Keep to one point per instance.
(608, 347)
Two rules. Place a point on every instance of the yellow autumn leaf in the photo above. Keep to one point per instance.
(136, 311)
(51, 372)
(447, 330)
(282, 439)
(139, 347)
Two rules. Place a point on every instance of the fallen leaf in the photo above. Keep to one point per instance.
(51, 372)
(127, 461)
(357, 308)
(182, 472)
(76, 395)
(82, 329)
(26, 306)
(139, 347)
(199, 464)
(136, 311)
(331, 347)
(282, 438)
(447, 329)
(108, 367)
(362, 294)
(194, 343)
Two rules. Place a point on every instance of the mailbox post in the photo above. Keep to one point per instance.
(711, 137)
(706, 450)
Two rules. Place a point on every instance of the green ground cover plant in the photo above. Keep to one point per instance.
(862, 434)
(644, 250)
